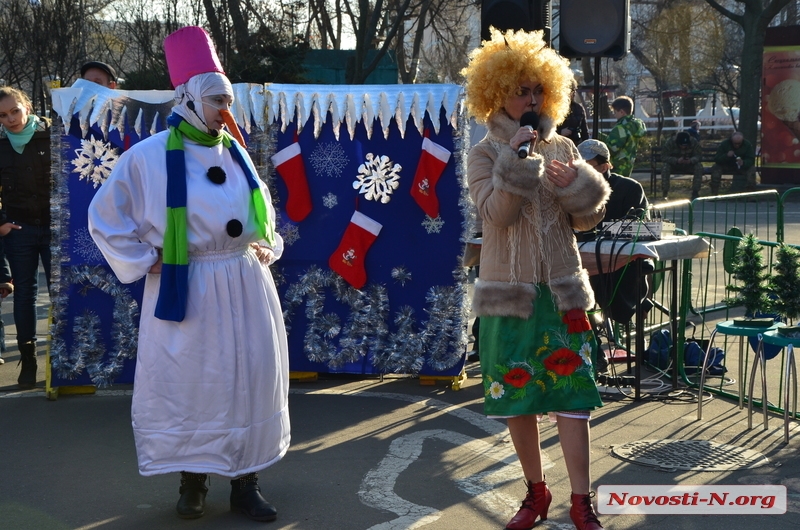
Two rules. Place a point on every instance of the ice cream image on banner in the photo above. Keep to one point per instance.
(784, 104)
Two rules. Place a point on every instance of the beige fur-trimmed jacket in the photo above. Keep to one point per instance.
(528, 222)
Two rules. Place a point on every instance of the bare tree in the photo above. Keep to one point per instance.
(436, 41)
(374, 26)
(42, 41)
(681, 43)
(754, 16)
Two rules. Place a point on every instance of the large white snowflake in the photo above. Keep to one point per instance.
(328, 159)
(377, 178)
(432, 225)
(330, 200)
(83, 245)
(94, 161)
(290, 234)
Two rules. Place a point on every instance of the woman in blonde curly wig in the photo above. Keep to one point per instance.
(536, 343)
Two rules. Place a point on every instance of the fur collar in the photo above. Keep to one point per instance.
(501, 126)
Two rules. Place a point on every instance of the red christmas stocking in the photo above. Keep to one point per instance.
(289, 164)
(432, 162)
(348, 259)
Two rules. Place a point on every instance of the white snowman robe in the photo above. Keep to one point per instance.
(211, 392)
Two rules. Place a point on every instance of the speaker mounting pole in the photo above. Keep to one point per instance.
(596, 104)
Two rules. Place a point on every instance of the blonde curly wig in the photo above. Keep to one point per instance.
(497, 67)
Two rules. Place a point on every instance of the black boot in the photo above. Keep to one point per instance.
(246, 498)
(193, 495)
(27, 358)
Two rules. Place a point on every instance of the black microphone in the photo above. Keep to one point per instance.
(531, 121)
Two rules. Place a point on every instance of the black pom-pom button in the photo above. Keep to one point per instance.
(216, 175)
(234, 228)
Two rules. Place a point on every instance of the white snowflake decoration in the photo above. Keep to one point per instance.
(432, 225)
(328, 159)
(330, 200)
(83, 245)
(377, 178)
(290, 233)
(94, 161)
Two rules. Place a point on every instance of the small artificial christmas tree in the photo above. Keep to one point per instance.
(749, 270)
(784, 286)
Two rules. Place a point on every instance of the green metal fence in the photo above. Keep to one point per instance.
(723, 220)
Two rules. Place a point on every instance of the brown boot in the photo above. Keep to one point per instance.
(535, 504)
(27, 358)
(582, 512)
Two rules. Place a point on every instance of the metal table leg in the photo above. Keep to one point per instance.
(789, 373)
(703, 375)
(759, 361)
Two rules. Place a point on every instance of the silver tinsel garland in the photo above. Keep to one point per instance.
(86, 331)
(366, 330)
(404, 351)
(124, 334)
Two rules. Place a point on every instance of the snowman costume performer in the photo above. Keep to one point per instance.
(212, 371)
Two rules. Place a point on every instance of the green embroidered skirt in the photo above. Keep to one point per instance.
(534, 366)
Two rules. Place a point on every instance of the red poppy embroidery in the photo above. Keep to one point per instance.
(517, 377)
(563, 361)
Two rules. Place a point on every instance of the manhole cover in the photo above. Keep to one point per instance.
(689, 455)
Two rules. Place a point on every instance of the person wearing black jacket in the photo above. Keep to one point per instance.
(574, 126)
(25, 218)
(615, 292)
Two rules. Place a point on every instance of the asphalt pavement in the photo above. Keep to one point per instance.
(371, 453)
(384, 454)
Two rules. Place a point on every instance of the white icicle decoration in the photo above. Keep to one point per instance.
(258, 99)
(351, 116)
(386, 113)
(153, 128)
(262, 105)
(137, 125)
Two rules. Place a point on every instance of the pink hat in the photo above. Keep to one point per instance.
(190, 52)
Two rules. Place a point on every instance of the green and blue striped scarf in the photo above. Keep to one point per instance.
(173, 291)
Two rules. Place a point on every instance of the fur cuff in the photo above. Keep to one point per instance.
(586, 194)
(519, 176)
(547, 126)
(573, 292)
(503, 299)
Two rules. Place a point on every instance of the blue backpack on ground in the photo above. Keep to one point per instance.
(693, 356)
(657, 352)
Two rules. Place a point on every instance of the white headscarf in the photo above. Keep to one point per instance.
(196, 88)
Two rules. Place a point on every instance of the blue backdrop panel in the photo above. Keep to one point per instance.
(413, 265)
(411, 315)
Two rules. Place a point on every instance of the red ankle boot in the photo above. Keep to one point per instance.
(535, 504)
(582, 512)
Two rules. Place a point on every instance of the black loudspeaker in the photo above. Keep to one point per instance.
(595, 28)
(515, 14)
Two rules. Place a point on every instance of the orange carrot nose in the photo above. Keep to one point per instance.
(227, 117)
